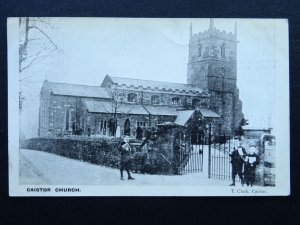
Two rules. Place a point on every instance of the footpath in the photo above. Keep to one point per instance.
(41, 168)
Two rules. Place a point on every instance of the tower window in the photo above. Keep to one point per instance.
(199, 50)
(223, 53)
(175, 101)
(214, 51)
(131, 97)
(155, 99)
(206, 52)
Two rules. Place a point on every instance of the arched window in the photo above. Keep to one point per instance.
(214, 51)
(139, 133)
(195, 102)
(127, 127)
(223, 53)
(111, 127)
(131, 97)
(155, 99)
(140, 123)
(199, 49)
(73, 121)
(206, 52)
(103, 125)
(67, 119)
(176, 101)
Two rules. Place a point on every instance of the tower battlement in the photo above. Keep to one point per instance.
(215, 33)
(213, 44)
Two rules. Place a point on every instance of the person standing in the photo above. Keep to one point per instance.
(251, 162)
(126, 158)
(237, 162)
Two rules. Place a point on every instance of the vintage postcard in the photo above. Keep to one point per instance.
(148, 107)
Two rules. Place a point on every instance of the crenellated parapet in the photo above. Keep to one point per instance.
(214, 33)
(213, 44)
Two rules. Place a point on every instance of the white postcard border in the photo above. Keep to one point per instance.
(282, 187)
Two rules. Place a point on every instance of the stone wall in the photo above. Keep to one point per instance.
(255, 133)
(61, 115)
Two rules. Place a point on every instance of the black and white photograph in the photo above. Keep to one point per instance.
(148, 107)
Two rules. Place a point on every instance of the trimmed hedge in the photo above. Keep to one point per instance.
(98, 151)
(95, 151)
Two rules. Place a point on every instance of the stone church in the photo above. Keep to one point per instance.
(125, 106)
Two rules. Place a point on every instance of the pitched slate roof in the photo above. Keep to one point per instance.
(209, 113)
(183, 116)
(76, 90)
(161, 110)
(106, 107)
(155, 85)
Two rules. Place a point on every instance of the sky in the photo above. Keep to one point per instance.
(155, 49)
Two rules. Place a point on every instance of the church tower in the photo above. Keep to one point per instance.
(212, 66)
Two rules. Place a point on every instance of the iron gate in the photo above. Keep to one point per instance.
(217, 148)
(220, 166)
(192, 161)
(191, 155)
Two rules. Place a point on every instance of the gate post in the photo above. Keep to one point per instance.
(209, 151)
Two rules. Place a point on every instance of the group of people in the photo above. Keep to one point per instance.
(244, 164)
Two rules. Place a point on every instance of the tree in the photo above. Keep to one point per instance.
(35, 45)
(239, 130)
(116, 101)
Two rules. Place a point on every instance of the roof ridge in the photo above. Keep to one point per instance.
(127, 78)
(85, 85)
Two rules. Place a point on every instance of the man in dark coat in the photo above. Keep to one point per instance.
(126, 158)
(237, 162)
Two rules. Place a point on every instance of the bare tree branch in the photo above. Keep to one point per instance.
(34, 60)
(46, 35)
(33, 46)
(28, 65)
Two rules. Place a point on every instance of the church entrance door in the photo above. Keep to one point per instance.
(197, 136)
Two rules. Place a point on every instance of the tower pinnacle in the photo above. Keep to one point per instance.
(235, 29)
(211, 24)
(191, 29)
